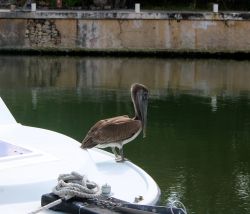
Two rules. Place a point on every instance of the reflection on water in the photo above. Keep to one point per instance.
(198, 142)
(202, 77)
(242, 186)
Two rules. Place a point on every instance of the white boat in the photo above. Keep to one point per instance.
(32, 158)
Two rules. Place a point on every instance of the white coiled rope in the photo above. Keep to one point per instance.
(72, 185)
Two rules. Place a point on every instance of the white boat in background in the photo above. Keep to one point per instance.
(32, 158)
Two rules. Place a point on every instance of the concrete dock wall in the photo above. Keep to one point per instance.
(125, 31)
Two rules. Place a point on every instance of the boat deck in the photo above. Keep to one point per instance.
(32, 158)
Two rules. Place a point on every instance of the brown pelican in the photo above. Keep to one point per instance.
(117, 131)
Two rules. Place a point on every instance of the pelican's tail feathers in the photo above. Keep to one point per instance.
(88, 143)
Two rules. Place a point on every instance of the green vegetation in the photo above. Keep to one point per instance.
(232, 5)
(196, 4)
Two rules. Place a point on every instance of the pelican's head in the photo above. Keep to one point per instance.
(139, 95)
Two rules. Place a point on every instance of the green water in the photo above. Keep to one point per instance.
(198, 138)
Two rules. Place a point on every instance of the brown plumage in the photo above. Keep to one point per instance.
(117, 131)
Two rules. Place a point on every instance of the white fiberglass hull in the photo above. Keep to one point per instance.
(25, 176)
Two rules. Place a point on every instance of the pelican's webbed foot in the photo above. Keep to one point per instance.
(119, 158)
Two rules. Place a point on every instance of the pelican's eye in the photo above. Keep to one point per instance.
(145, 96)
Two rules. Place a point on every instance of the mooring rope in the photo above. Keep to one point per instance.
(72, 185)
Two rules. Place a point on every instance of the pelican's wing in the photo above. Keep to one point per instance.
(90, 139)
(110, 130)
(117, 130)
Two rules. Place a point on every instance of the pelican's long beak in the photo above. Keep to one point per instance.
(144, 119)
(143, 105)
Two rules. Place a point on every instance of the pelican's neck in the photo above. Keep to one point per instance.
(139, 96)
(136, 107)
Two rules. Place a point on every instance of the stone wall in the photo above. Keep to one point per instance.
(42, 33)
(125, 31)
